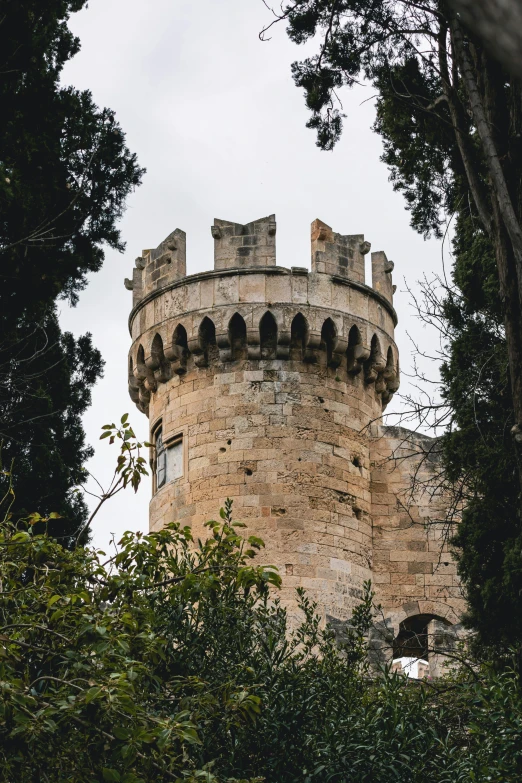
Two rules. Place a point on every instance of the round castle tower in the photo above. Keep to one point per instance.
(266, 385)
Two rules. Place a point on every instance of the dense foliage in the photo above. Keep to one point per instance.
(45, 387)
(479, 455)
(168, 660)
(450, 121)
(65, 173)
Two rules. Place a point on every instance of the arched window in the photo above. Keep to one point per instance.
(237, 337)
(328, 339)
(390, 364)
(180, 337)
(298, 337)
(268, 336)
(375, 363)
(375, 351)
(141, 370)
(413, 645)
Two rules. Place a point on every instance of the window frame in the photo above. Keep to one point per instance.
(159, 458)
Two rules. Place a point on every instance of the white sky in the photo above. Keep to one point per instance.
(214, 116)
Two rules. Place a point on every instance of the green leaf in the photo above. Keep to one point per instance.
(121, 733)
(111, 775)
(92, 693)
(124, 418)
(105, 435)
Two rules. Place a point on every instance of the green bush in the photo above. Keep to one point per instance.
(172, 660)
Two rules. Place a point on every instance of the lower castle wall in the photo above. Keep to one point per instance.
(414, 570)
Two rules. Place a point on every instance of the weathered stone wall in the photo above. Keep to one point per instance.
(414, 571)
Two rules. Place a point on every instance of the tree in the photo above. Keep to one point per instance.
(448, 114)
(498, 23)
(65, 174)
(172, 660)
(422, 52)
(45, 387)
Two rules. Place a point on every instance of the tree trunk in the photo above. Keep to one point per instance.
(498, 24)
(505, 230)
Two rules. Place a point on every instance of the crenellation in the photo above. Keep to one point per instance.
(249, 245)
(276, 380)
(337, 254)
(382, 275)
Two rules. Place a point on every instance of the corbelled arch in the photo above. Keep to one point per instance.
(355, 352)
(157, 356)
(329, 338)
(237, 336)
(298, 337)
(268, 333)
(206, 342)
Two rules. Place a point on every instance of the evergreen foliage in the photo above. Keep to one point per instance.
(65, 173)
(45, 387)
(478, 451)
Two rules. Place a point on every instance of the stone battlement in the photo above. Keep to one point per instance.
(253, 246)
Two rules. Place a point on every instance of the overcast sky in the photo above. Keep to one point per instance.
(215, 118)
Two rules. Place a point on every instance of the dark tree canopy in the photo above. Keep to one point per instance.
(45, 388)
(449, 116)
(65, 174)
(65, 171)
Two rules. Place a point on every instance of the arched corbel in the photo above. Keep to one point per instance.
(313, 347)
(376, 362)
(178, 352)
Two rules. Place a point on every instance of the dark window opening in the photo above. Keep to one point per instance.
(298, 337)
(238, 337)
(328, 339)
(412, 640)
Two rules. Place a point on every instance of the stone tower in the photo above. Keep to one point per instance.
(267, 385)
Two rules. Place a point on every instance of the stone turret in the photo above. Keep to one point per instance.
(267, 384)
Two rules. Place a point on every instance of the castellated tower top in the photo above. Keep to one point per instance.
(253, 245)
(345, 322)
